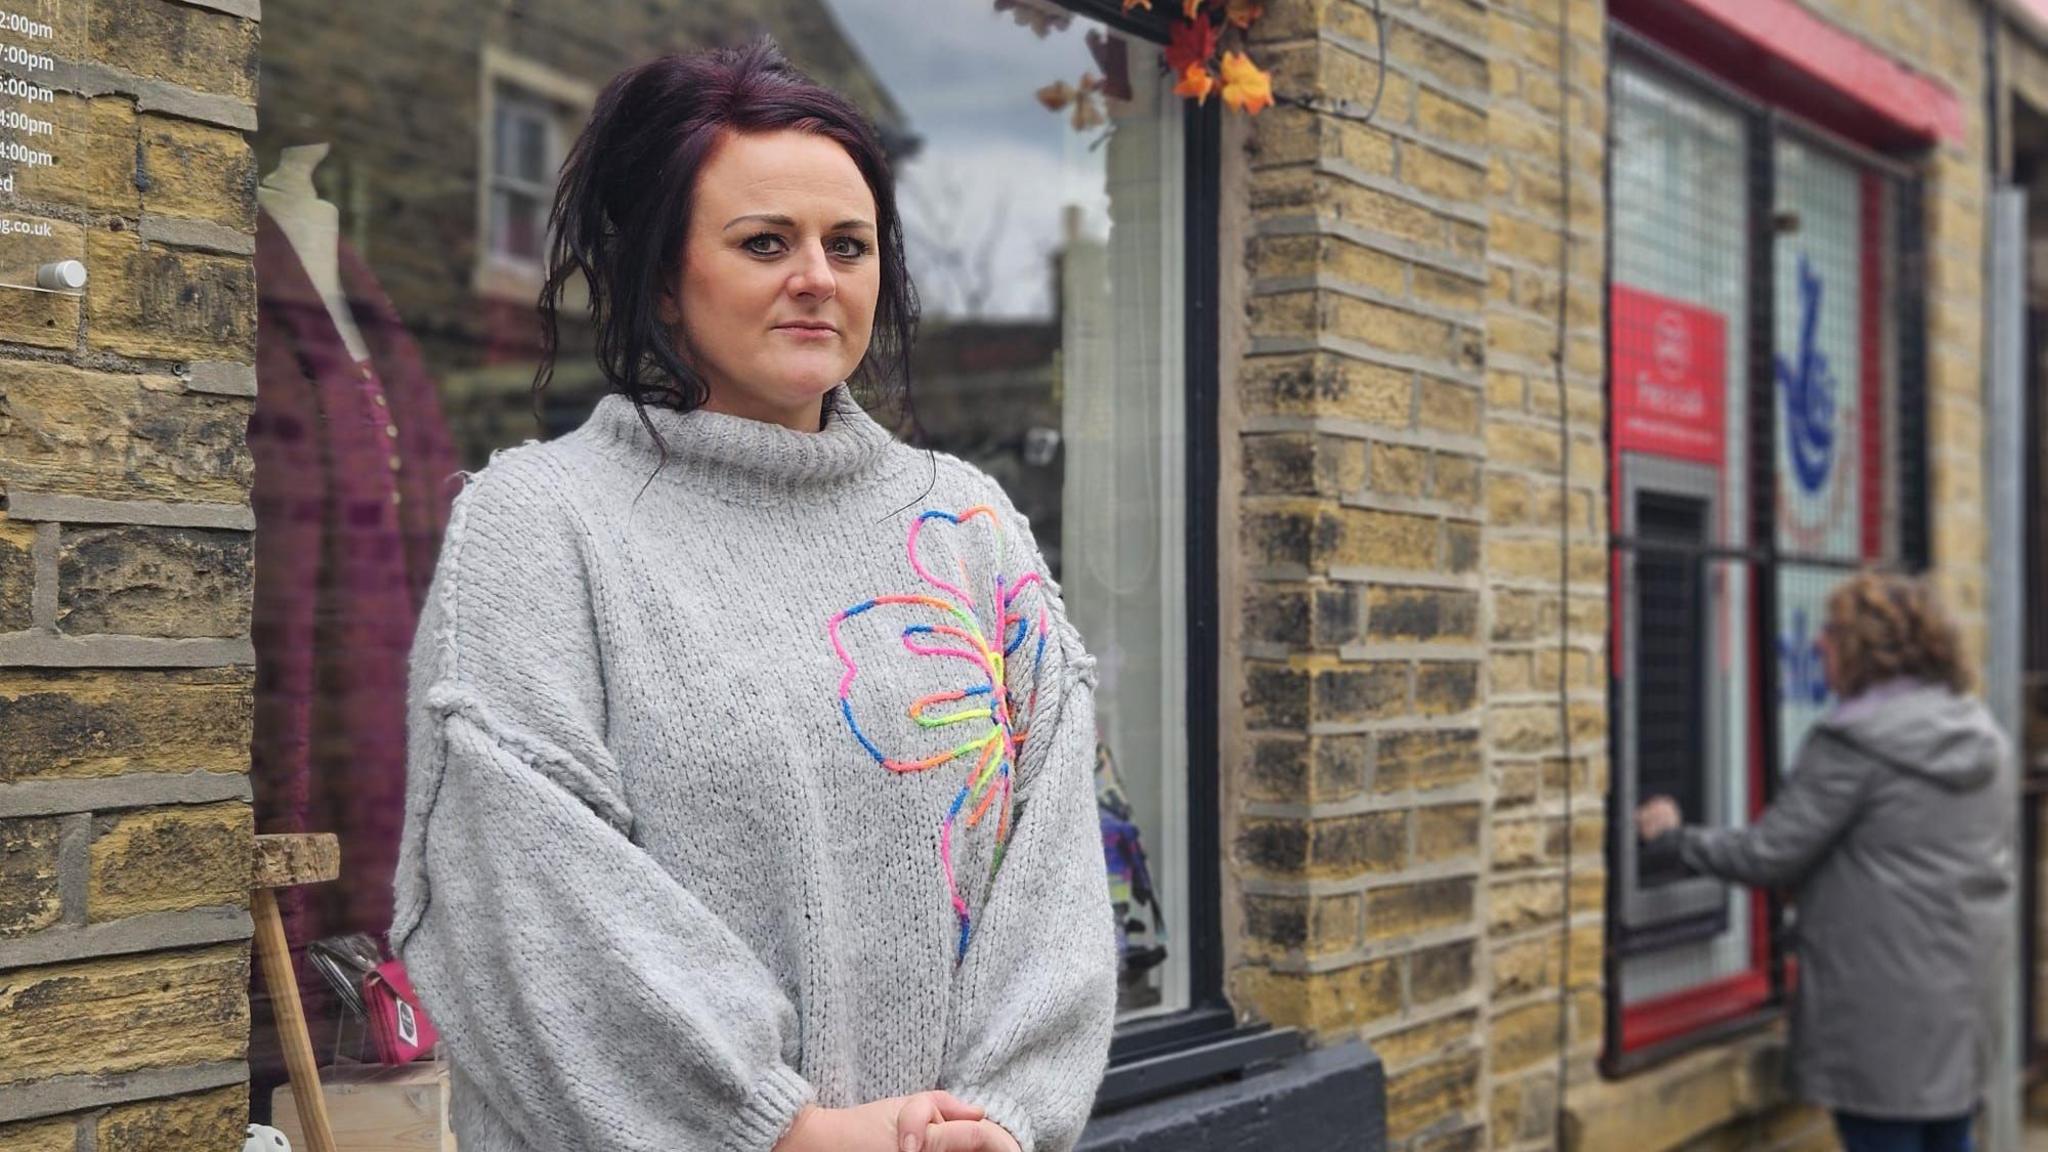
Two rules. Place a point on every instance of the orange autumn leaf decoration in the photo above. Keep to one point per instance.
(1196, 82)
(1245, 86)
(1191, 47)
(1087, 112)
(1191, 55)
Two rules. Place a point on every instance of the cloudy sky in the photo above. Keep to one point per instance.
(997, 168)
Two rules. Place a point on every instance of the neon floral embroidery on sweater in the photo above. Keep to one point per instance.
(983, 633)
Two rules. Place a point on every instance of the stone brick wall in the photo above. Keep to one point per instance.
(1416, 781)
(1546, 560)
(1360, 783)
(125, 659)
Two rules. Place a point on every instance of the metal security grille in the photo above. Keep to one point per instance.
(1767, 440)
(1670, 608)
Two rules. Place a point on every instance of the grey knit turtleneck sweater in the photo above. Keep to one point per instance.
(695, 767)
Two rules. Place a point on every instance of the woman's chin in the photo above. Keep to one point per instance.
(801, 382)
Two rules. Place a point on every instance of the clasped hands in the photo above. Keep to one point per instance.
(925, 1122)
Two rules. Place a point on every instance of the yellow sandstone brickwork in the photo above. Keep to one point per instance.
(125, 576)
(1360, 795)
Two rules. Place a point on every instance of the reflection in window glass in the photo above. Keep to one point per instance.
(522, 180)
(408, 153)
(1831, 376)
(1817, 365)
(1045, 243)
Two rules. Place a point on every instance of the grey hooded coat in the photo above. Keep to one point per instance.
(1894, 832)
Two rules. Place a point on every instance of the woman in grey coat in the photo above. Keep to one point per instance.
(1894, 833)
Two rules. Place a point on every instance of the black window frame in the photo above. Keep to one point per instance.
(1764, 124)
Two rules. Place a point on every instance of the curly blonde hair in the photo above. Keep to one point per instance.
(1884, 626)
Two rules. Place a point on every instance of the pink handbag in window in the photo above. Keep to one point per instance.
(399, 1028)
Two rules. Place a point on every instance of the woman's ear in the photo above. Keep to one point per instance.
(669, 305)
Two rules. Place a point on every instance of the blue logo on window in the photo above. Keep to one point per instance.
(1802, 674)
(1808, 387)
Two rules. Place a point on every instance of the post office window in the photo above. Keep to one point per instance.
(1761, 423)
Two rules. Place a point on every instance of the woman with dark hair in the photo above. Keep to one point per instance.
(1893, 830)
(750, 801)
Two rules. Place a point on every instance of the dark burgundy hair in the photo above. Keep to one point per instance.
(625, 197)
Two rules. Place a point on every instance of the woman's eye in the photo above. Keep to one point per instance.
(766, 244)
(849, 248)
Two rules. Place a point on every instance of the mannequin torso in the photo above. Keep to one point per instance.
(313, 228)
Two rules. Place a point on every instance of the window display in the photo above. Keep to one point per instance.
(408, 165)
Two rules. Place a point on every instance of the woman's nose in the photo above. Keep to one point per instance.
(813, 278)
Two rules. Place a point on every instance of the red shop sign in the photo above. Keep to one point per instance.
(1670, 367)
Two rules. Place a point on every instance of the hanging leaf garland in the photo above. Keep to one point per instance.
(1085, 100)
(1191, 56)
(1191, 53)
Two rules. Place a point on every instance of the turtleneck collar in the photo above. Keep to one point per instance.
(742, 459)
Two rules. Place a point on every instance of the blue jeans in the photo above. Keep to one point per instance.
(1864, 1134)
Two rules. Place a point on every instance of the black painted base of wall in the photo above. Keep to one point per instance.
(1327, 1100)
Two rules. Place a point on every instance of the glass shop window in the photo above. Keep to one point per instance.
(408, 165)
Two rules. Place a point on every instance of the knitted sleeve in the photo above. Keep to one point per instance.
(1035, 994)
(589, 999)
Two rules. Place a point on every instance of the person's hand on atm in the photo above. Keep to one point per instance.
(1656, 816)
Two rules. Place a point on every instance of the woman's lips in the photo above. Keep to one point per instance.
(808, 331)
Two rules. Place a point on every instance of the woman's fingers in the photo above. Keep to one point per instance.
(920, 1112)
(952, 1107)
(969, 1136)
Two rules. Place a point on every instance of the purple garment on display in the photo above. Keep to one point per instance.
(355, 471)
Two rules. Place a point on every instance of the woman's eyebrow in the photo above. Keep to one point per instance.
(785, 222)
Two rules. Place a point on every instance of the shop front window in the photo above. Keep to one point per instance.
(1046, 244)
(408, 165)
(1681, 310)
(1834, 371)
(1728, 220)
